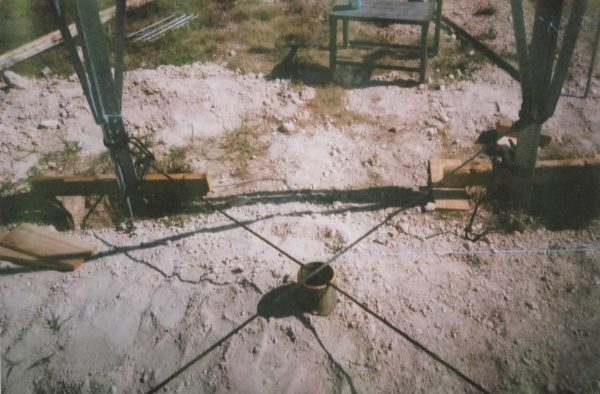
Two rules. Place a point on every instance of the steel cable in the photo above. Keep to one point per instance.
(414, 342)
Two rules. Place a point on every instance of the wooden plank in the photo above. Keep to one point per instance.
(53, 39)
(12, 255)
(182, 183)
(32, 245)
(34, 262)
(451, 199)
(437, 166)
(546, 171)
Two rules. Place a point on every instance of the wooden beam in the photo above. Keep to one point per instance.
(451, 199)
(545, 172)
(37, 247)
(185, 183)
(51, 40)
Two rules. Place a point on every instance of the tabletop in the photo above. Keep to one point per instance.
(385, 10)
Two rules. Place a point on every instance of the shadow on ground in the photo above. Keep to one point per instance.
(350, 74)
(27, 208)
(284, 302)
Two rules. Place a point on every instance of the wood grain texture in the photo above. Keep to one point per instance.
(31, 245)
(188, 183)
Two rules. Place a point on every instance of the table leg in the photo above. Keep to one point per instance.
(423, 66)
(346, 23)
(332, 45)
(438, 25)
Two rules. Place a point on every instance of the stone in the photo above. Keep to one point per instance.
(16, 81)
(429, 207)
(50, 124)
(287, 127)
(531, 305)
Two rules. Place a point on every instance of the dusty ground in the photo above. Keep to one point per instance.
(514, 311)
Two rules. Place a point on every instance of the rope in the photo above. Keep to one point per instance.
(516, 251)
(414, 342)
(204, 353)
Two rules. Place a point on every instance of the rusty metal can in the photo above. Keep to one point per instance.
(317, 295)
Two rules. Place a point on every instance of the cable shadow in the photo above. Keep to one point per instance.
(370, 198)
(337, 366)
(363, 200)
(6, 271)
(283, 302)
(373, 199)
(29, 208)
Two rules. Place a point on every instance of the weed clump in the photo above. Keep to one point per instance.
(241, 146)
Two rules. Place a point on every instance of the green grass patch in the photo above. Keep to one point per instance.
(260, 33)
(242, 145)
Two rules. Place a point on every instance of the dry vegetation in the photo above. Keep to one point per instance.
(516, 323)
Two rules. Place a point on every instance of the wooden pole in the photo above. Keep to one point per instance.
(53, 39)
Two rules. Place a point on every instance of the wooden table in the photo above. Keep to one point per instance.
(384, 11)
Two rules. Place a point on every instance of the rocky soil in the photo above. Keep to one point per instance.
(517, 311)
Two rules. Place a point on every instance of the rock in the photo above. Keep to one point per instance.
(232, 53)
(429, 207)
(443, 118)
(531, 305)
(405, 227)
(431, 131)
(237, 270)
(46, 72)
(50, 124)
(382, 240)
(287, 127)
(16, 81)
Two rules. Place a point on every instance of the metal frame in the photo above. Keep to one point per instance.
(102, 89)
(542, 78)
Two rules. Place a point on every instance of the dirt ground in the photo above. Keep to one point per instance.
(516, 311)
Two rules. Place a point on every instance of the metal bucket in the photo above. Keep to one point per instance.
(316, 295)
